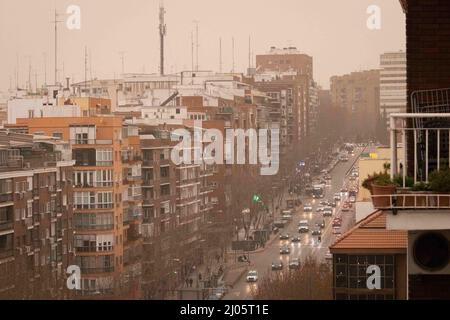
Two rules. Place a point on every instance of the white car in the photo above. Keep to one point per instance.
(352, 199)
(307, 207)
(328, 255)
(252, 276)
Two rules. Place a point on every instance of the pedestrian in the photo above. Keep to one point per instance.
(187, 282)
(191, 281)
(199, 276)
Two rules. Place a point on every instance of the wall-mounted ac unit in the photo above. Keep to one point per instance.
(428, 252)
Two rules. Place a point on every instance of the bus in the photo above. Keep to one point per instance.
(318, 192)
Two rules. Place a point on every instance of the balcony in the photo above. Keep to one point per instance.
(6, 225)
(6, 254)
(87, 270)
(78, 142)
(419, 175)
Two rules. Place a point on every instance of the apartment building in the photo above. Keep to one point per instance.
(358, 95)
(36, 217)
(107, 199)
(392, 83)
(173, 214)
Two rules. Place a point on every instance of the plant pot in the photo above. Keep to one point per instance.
(378, 192)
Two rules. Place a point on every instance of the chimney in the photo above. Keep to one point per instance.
(68, 83)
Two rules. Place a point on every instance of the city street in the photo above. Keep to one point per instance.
(309, 245)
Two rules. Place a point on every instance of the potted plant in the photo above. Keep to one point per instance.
(380, 184)
(440, 184)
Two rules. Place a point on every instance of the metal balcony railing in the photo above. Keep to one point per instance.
(428, 134)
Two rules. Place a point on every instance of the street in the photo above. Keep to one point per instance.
(309, 245)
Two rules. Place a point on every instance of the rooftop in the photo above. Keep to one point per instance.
(371, 233)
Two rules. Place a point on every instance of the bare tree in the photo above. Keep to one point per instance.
(312, 282)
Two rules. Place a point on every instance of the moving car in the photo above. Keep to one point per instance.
(252, 276)
(286, 217)
(285, 250)
(337, 231)
(352, 199)
(296, 239)
(294, 264)
(307, 207)
(320, 225)
(303, 226)
(327, 212)
(337, 197)
(277, 265)
(317, 232)
(320, 209)
(284, 236)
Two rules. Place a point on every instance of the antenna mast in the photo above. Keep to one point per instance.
(162, 34)
(220, 55)
(56, 46)
(232, 53)
(197, 44)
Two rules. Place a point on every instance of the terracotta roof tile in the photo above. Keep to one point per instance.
(371, 233)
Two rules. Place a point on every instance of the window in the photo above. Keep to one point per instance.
(57, 135)
(104, 157)
(104, 178)
(165, 190)
(177, 111)
(104, 200)
(164, 172)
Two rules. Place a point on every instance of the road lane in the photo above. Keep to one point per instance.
(309, 245)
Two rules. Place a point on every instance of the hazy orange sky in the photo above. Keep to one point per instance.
(334, 32)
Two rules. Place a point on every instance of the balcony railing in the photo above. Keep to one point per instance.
(424, 137)
(90, 142)
(6, 225)
(404, 201)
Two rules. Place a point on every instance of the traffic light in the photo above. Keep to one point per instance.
(256, 198)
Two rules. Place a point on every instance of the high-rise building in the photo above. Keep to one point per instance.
(358, 95)
(392, 83)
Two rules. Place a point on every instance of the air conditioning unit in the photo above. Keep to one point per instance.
(428, 252)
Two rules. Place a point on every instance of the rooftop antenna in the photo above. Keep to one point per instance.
(162, 34)
(17, 71)
(90, 64)
(249, 52)
(192, 50)
(56, 21)
(45, 68)
(29, 75)
(197, 44)
(220, 55)
(85, 69)
(122, 57)
(232, 53)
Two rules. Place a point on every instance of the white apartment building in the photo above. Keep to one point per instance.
(392, 83)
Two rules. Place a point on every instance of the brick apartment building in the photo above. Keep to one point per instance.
(36, 217)
(107, 200)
